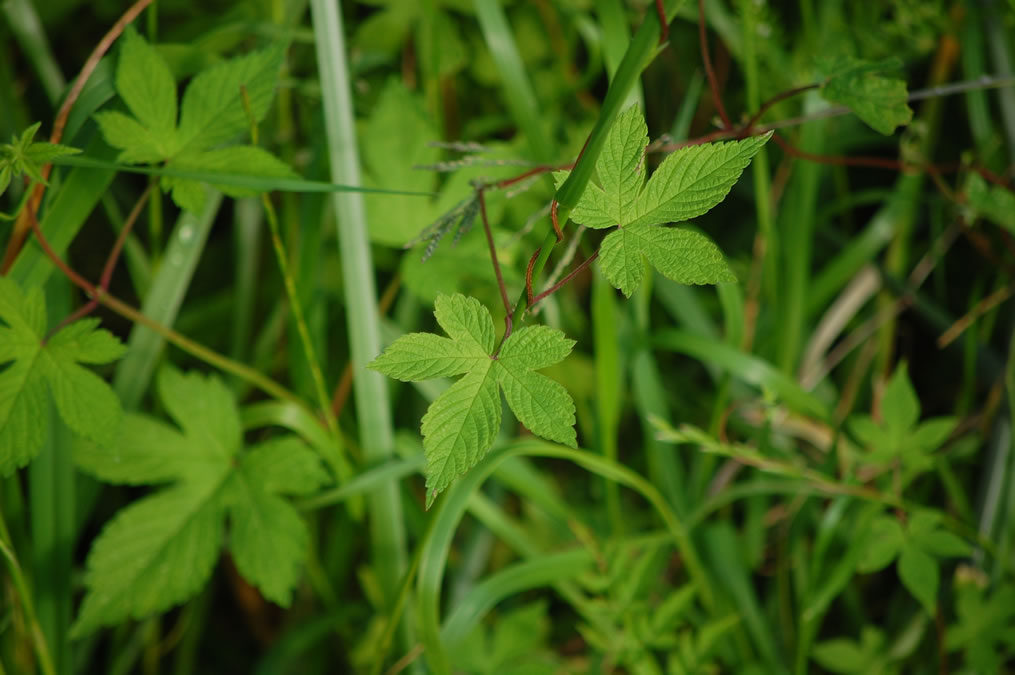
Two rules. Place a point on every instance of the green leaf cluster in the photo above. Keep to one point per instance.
(161, 550)
(992, 202)
(36, 369)
(515, 645)
(461, 424)
(985, 631)
(862, 86)
(687, 184)
(25, 157)
(900, 437)
(869, 656)
(917, 546)
(219, 105)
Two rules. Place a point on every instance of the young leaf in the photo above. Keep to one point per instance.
(24, 156)
(687, 184)
(217, 107)
(900, 436)
(160, 550)
(35, 372)
(461, 424)
(862, 87)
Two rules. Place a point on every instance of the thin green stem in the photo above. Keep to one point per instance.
(21, 586)
(301, 323)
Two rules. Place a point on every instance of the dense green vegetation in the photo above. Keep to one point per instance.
(479, 336)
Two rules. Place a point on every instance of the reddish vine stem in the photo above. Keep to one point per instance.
(496, 263)
(789, 93)
(713, 83)
(107, 270)
(563, 282)
(24, 222)
(663, 24)
(528, 275)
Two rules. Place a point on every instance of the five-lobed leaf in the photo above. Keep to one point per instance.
(160, 550)
(34, 371)
(462, 423)
(218, 106)
(688, 183)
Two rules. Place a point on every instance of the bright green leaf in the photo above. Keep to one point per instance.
(682, 255)
(42, 371)
(213, 109)
(461, 424)
(146, 85)
(692, 180)
(687, 184)
(459, 427)
(919, 573)
(862, 87)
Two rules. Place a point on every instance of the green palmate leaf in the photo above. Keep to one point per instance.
(862, 87)
(32, 372)
(161, 550)
(461, 424)
(687, 184)
(900, 437)
(218, 105)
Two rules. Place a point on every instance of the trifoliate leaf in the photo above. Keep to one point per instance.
(862, 87)
(161, 550)
(35, 371)
(687, 184)
(461, 424)
(218, 106)
(146, 85)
